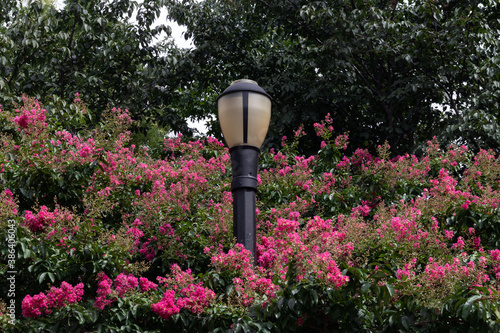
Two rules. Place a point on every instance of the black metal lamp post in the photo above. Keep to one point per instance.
(244, 115)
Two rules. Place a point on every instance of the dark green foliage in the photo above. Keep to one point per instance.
(96, 48)
(391, 71)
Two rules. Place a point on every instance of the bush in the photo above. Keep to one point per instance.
(104, 236)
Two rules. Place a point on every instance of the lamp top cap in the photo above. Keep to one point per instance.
(244, 85)
(244, 80)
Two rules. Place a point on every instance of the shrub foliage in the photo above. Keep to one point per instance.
(114, 237)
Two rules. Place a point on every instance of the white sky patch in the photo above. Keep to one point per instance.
(200, 126)
(177, 30)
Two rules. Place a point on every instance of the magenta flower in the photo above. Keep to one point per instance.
(56, 298)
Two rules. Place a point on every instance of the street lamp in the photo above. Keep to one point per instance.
(244, 115)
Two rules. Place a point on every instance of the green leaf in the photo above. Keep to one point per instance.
(365, 287)
(378, 275)
(390, 289)
(291, 303)
(467, 307)
(41, 277)
(314, 294)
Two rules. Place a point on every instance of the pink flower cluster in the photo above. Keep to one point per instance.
(406, 273)
(123, 285)
(103, 290)
(55, 152)
(328, 271)
(177, 278)
(328, 183)
(196, 298)
(314, 249)
(190, 296)
(56, 298)
(166, 308)
(31, 117)
(407, 230)
(39, 221)
(74, 148)
(57, 224)
(236, 260)
(8, 204)
(440, 277)
(435, 273)
(362, 209)
(324, 127)
(361, 157)
(249, 285)
(174, 184)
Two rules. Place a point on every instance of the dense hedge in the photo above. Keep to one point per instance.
(106, 236)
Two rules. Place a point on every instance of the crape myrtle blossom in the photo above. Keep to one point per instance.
(249, 285)
(31, 118)
(182, 293)
(56, 298)
(8, 205)
(319, 224)
(109, 291)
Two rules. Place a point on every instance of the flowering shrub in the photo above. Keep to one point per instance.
(56, 298)
(141, 240)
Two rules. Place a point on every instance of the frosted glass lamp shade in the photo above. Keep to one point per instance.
(244, 114)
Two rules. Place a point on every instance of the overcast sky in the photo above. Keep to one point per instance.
(177, 31)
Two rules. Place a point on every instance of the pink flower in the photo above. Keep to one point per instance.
(459, 244)
(85, 151)
(301, 320)
(146, 285)
(495, 255)
(197, 298)
(22, 120)
(39, 221)
(448, 234)
(103, 290)
(136, 233)
(32, 117)
(406, 272)
(465, 205)
(35, 306)
(363, 209)
(166, 308)
(125, 283)
(56, 298)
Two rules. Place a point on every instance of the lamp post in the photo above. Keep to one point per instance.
(244, 114)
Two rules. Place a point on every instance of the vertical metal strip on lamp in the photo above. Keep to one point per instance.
(245, 117)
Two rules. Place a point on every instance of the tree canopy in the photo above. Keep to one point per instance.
(391, 71)
(111, 52)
